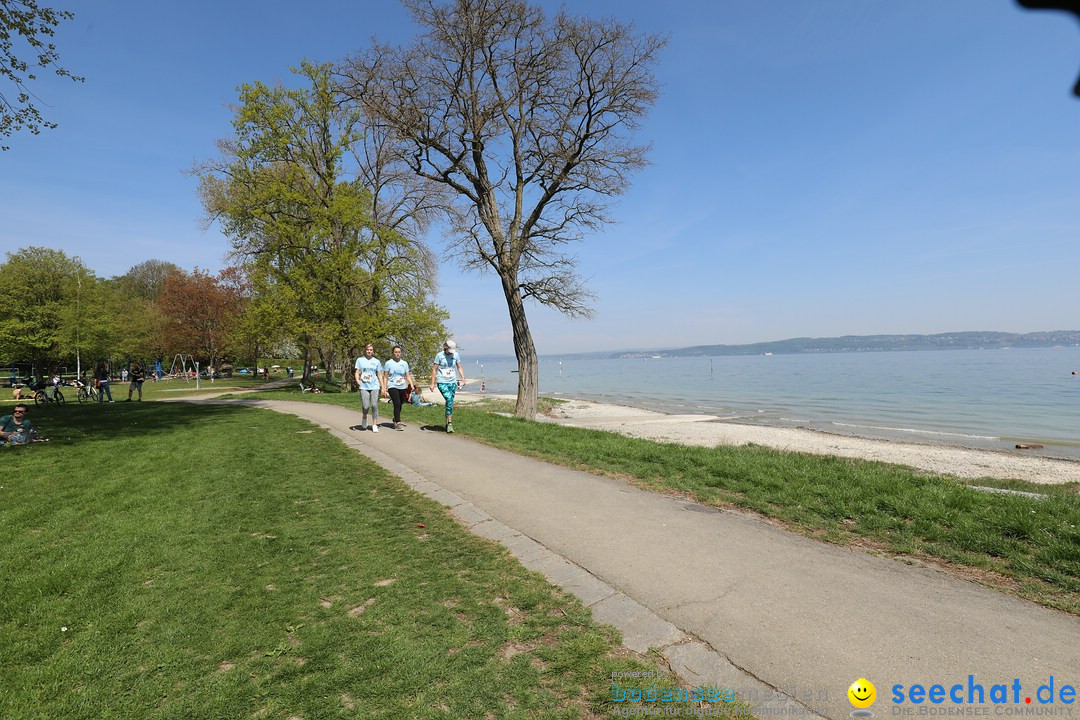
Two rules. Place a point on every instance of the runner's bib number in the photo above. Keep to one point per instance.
(447, 374)
(366, 376)
(398, 382)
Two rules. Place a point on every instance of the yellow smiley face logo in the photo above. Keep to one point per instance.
(862, 693)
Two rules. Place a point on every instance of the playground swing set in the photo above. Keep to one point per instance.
(184, 367)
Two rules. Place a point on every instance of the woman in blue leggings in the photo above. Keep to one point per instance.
(444, 373)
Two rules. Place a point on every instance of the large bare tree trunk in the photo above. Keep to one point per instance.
(525, 350)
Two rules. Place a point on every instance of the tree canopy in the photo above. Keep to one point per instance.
(58, 314)
(39, 286)
(332, 263)
(200, 312)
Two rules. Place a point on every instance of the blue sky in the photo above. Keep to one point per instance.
(819, 167)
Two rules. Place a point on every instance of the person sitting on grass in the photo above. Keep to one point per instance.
(417, 398)
(15, 429)
(23, 389)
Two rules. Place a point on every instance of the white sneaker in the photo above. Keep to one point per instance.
(374, 428)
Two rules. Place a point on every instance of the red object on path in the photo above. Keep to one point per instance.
(420, 525)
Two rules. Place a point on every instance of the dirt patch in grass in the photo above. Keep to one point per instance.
(359, 609)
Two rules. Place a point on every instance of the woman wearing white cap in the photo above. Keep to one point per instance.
(446, 368)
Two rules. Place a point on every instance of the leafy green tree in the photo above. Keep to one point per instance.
(525, 122)
(90, 323)
(37, 286)
(27, 21)
(145, 279)
(306, 226)
(140, 326)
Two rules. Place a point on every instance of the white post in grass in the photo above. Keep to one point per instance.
(196, 375)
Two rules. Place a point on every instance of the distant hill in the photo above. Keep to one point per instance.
(878, 343)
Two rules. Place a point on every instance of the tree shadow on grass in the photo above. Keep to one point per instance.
(75, 424)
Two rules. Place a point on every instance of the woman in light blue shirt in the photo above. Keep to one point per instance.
(446, 368)
(368, 376)
(397, 379)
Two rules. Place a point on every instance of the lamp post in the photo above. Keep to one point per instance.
(78, 318)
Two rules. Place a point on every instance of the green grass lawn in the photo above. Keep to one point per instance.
(168, 560)
(1027, 546)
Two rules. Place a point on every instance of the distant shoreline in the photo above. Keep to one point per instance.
(967, 340)
(711, 431)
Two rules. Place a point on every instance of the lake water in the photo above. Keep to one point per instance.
(974, 398)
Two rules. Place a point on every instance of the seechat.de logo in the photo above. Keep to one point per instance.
(862, 695)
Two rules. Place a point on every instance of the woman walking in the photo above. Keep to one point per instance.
(368, 376)
(396, 380)
(446, 368)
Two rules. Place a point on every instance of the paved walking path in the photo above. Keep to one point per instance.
(731, 600)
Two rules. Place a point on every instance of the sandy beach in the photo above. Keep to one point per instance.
(709, 431)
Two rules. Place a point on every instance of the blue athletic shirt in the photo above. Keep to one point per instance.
(369, 372)
(395, 373)
(447, 372)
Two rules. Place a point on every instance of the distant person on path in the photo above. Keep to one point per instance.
(368, 374)
(137, 375)
(15, 429)
(396, 381)
(445, 369)
(101, 379)
(123, 375)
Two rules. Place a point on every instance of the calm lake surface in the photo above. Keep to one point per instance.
(974, 398)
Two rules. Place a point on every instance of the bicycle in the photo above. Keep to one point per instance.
(86, 393)
(42, 397)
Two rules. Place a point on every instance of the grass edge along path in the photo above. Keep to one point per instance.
(205, 561)
(1022, 545)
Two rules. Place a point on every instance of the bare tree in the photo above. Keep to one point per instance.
(401, 201)
(524, 120)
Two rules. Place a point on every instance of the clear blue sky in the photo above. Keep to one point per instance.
(819, 167)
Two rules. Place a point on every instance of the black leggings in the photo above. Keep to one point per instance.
(397, 396)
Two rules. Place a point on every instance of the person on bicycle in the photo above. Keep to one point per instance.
(137, 376)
